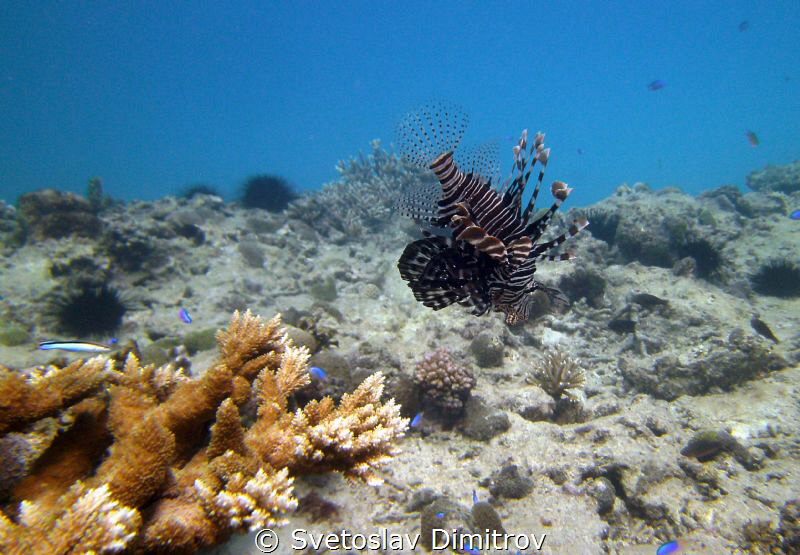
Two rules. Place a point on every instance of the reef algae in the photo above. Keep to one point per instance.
(157, 461)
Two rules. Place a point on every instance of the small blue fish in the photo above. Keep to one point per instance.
(656, 85)
(440, 515)
(318, 373)
(474, 497)
(74, 346)
(744, 26)
(667, 548)
(469, 550)
(415, 422)
(795, 215)
(184, 316)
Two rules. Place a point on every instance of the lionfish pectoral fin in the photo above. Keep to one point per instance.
(556, 295)
(483, 242)
(519, 249)
(573, 230)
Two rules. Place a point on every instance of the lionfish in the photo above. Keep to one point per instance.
(480, 246)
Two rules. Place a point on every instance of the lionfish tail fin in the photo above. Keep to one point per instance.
(429, 131)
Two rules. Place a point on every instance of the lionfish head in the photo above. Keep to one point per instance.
(513, 315)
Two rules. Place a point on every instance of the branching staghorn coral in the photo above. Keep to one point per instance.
(364, 197)
(557, 374)
(135, 471)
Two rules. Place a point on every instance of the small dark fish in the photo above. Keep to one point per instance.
(415, 422)
(580, 151)
(184, 316)
(752, 138)
(656, 85)
(705, 445)
(667, 548)
(647, 300)
(795, 215)
(762, 328)
(74, 346)
(622, 325)
(318, 373)
(744, 26)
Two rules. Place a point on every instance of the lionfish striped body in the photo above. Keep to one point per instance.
(481, 247)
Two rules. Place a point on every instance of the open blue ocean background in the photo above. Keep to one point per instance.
(155, 96)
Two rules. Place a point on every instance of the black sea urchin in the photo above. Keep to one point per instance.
(604, 224)
(196, 189)
(777, 278)
(87, 309)
(270, 192)
(707, 256)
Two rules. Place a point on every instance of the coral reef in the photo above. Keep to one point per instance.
(443, 513)
(196, 189)
(602, 224)
(270, 192)
(488, 350)
(724, 365)
(154, 461)
(364, 197)
(785, 179)
(98, 201)
(445, 384)
(54, 214)
(584, 284)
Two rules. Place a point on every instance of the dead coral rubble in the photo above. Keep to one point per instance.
(153, 461)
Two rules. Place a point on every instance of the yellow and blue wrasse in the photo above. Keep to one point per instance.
(74, 346)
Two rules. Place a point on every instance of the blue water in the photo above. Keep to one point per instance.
(155, 96)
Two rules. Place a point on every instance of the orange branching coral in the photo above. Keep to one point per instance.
(137, 473)
(46, 392)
